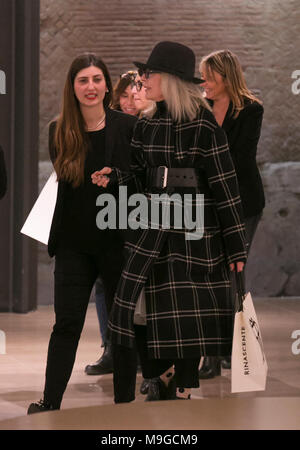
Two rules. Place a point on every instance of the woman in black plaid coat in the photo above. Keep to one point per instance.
(186, 281)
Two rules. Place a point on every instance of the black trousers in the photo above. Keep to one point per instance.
(125, 367)
(75, 274)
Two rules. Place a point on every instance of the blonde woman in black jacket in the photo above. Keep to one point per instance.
(239, 112)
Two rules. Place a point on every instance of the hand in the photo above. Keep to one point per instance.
(239, 264)
(99, 177)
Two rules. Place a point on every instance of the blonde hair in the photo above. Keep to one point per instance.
(183, 98)
(227, 64)
(149, 111)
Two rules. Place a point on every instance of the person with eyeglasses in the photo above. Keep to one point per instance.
(179, 150)
(145, 106)
(128, 97)
(123, 99)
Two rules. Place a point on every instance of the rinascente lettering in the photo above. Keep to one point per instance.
(244, 352)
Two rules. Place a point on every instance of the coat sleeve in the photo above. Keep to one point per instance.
(135, 178)
(3, 176)
(223, 184)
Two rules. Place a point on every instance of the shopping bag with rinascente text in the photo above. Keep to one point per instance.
(248, 361)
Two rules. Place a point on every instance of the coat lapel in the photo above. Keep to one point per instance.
(228, 120)
(110, 136)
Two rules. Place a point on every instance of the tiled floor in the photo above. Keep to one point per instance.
(22, 366)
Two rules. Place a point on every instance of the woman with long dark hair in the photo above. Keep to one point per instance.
(86, 134)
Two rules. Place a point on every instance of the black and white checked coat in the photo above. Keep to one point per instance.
(187, 287)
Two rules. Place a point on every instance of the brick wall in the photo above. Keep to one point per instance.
(266, 37)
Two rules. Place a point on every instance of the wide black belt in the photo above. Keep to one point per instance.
(162, 177)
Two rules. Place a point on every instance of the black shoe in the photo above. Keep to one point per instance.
(40, 406)
(226, 362)
(103, 366)
(159, 391)
(211, 367)
(145, 386)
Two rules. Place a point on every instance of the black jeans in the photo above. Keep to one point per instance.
(75, 274)
(125, 363)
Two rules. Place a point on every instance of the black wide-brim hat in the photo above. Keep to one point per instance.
(174, 58)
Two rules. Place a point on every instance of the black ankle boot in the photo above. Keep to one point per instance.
(103, 366)
(226, 362)
(159, 391)
(211, 367)
(40, 406)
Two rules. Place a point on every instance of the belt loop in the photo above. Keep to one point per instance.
(164, 176)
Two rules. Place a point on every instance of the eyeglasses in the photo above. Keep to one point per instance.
(147, 72)
(138, 85)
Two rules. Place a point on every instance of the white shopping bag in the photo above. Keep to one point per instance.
(248, 361)
(39, 220)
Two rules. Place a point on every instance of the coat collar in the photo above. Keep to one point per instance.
(161, 106)
(228, 121)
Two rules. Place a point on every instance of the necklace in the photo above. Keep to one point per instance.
(97, 125)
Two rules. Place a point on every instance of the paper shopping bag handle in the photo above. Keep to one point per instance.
(240, 287)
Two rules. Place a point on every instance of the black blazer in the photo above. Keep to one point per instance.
(119, 131)
(3, 177)
(243, 135)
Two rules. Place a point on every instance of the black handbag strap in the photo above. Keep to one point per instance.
(240, 288)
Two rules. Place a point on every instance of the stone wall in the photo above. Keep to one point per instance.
(266, 37)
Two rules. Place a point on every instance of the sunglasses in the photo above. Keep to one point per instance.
(138, 85)
(147, 72)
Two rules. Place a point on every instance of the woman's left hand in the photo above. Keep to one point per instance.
(99, 177)
(239, 265)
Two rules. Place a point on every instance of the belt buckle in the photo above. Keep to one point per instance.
(164, 177)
